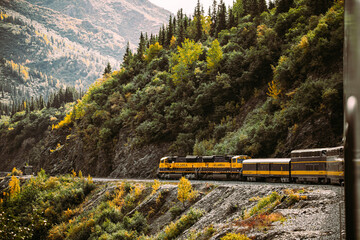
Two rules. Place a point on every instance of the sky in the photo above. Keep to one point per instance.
(188, 6)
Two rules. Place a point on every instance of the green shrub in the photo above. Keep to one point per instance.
(175, 211)
(265, 204)
(136, 223)
(173, 230)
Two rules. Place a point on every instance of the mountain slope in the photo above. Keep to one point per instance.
(262, 84)
(65, 49)
(124, 17)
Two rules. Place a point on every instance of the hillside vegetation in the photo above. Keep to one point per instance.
(43, 49)
(75, 208)
(242, 80)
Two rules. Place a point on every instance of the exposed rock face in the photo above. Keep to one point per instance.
(319, 214)
(313, 218)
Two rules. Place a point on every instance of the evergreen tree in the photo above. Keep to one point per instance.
(141, 47)
(127, 56)
(107, 69)
(174, 25)
(41, 103)
(262, 6)
(169, 32)
(231, 21)
(221, 18)
(254, 9)
(162, 35)
(319, 6)
(180, 34)
(271, 5)
(213, 19)
(283, 5)
(197, 16)
(32, 104)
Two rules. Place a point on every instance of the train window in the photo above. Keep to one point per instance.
(309, 167)
(239, 161)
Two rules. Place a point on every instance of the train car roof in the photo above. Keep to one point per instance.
(316, 149)
(236, 156)
(268, 160)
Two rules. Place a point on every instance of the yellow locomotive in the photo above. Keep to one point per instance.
(199, 167)
(321, 165)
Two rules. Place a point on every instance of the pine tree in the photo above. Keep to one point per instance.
(169, 32)
(271, 5)
(254, 10)
(262, 6)
(221, 18)
(283, 5)
(127, 56)
(162, 35)
(213, 19)
(180, 34)
(141, 47)
(231, 21)
(107, 69)
(197, 16)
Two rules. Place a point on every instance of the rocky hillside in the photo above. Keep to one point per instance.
(45, 45)
(154, 210)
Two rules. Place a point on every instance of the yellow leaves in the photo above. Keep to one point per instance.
(206, 24)
(173, 42)
(73, 173)
(18, 69)
(14, 187)
(155, 186)
(185, 191)
(63, 123)
(24, 72)
(274, 89)
(3, 15)
(15, 172)
(136, 191)
(261, 30)
(58, 147)
(214, 56)
(90, 180)
(118, 201)
(304, 42)
(235, 236)
(153, 51)
(182, 62)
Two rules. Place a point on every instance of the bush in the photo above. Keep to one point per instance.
(173, 230)
(175, 211)
(265, 204)
(136, 223)
(235, 236)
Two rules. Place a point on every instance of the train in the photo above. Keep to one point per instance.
(319, 165)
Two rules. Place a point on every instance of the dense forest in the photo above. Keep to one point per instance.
(252, 79)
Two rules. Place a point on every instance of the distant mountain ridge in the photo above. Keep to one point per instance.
(69, 42)
(127, 18)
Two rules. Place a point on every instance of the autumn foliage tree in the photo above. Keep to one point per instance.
(185, 191)
(14, 186)
(214, 56)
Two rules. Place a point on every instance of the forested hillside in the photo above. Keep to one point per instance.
(44, 49)
(250, 79)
